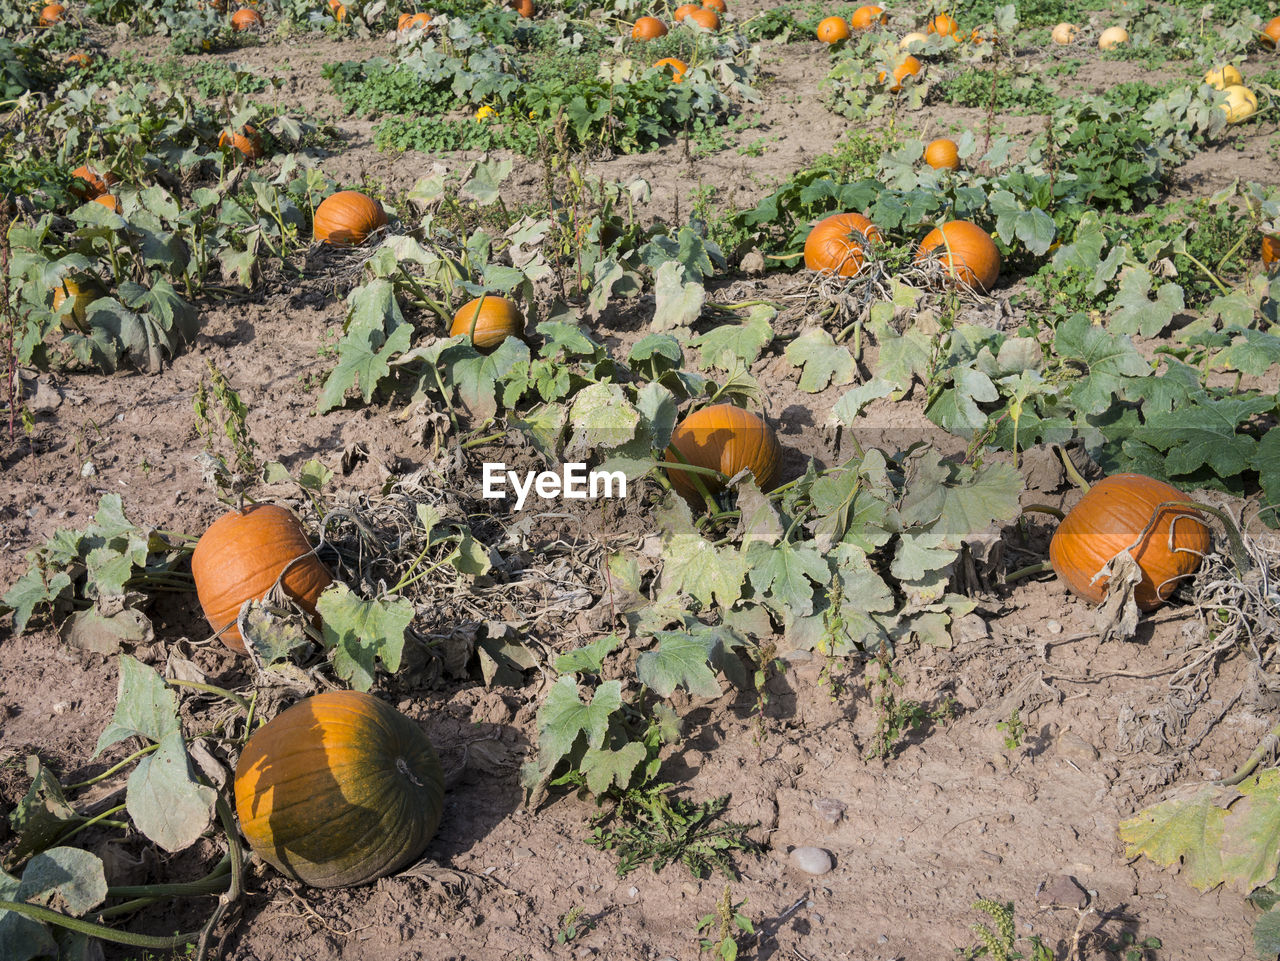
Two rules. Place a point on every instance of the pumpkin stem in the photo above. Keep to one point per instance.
(114, 768)
(1044, 509)
(1264, 749)
(101, 932)
(1240, 556)
(1073, 475)
(1207, 272)
(235, 699)
(237, 877)
(1041, 568)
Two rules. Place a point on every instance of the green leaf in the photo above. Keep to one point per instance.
(903, 357)
(563, 717)
(1266, 935)
(70, 880)
(589, 659)
(1266, 461)
(21, 938)
(145, 706)
(694, 566)
(956, 408)
(364, 356)
(604, 768)
(1206, 433)
(602, 417)
(850, 406)
(1251, 833)
(1109, 361)
(1183, 829)
(824, 361)
(742, 341)
(680, 659)
(677, 302)
(43, 816)
(358, 633)
(1133, 310)
(31, 590)
(164, 800)
(788, 574)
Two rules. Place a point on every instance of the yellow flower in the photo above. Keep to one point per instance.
(485, 113)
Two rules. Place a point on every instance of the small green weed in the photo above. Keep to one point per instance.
(1129, 948)
(722, 928)
(1002, 943)
(1014, 731)
(573, 924)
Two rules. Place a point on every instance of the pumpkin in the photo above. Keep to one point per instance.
(678, 67)
(1242, 103)
(88, 183)
(719, 6)
(240, 558)
(942, 154)
(724, 438)
(1270, 250)
(684, 10)
(833, 30)
(79, 59)
(966, 250)
(523, 7)
(1065, 34)
(339, 789)
(488, 321)
(82, 292)
(1271, 32)
(339, 13)
(1112, 37)
(648, 28)
(864, 18)
(1223, 77)
(347, 218)
(246, 141)
(706, 19)
(910, 67)
(109, 201)
(835, 245)
(1109, 519)
(912, 39)
(51, 14)
(944, 25)
(245, 18)
(403, 20)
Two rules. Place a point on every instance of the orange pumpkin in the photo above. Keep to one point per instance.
(719, 6)
(81, 293)
(942, 154)
(52, 13)
(833, 30)
(864, 18)
(1111, 518)
(244, 19)
(1271, 33)
(706, 19)
(109, 201)
(488, 321)
(79, 59)
(414, 21)
(835, 245)
(240, 558)
(246, 141)
(944, 26)
(87, 183)
(1270, 250)
(728, 439)
(648, 28)
(522, 7)
(966, 250)
(347, 218)
(910, 67)
(340, 789)
(678, 67)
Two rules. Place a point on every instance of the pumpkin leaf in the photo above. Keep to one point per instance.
(1109, 361)
(21, 938)
(1266, 935)
(692, 565)
(788, 574)
(677, 302)
(588, 659)
(1251, 833)
(825, 362)
(1134, 311)
(1205, 433)
(66, 879)
(742, 341)
(32, 589)
(164, 800)
(364, 356)
(42, 816)
(563, 718)
(1186, 829)
(602, 417)
(145, 706)
(604, 768)
(358, 633)
(681, 660)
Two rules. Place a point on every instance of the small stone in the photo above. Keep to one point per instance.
(883, 939)
(521, 854)
(1053, 627)
(969, 629)
(811, 860)
(690, 889)
(1062, 891)
(1072, 745)
(88, 470)
(752, 264)
(830, 809)
(633, 892)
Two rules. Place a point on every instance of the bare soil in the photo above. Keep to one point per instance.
(956, 816)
